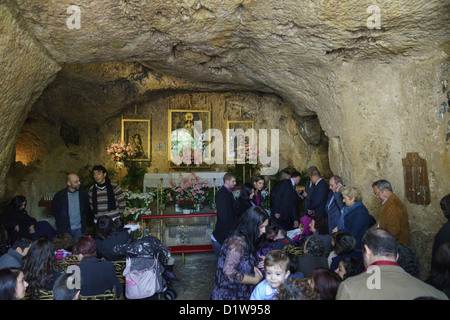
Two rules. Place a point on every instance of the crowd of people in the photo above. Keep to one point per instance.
(31, 263)
(346, 253)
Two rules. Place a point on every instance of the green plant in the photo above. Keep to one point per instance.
(134, 178)
(209, 195)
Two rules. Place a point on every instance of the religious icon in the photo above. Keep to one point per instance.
(136, 132)
(186, 134)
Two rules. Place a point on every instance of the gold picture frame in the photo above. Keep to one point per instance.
(232, 143)
(137, 133)
(181, 131)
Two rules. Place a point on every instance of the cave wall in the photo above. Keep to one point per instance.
(386, 111)
(27, 69)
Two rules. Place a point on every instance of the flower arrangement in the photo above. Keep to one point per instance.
(186, 204)
(190, 187)
(120, 151)
(134, 214)
(138, 199)
(165, 195)
(137, 204)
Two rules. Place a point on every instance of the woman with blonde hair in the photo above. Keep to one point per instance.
(355, 218)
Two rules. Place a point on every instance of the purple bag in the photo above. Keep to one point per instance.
(143, 283)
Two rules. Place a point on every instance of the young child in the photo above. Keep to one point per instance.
(276, 267)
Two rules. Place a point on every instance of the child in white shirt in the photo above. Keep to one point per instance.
(276, 266)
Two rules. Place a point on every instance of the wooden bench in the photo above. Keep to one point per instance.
(191, 249)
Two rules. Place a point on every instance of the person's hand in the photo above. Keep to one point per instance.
(258, 275)
(261, 263)
(277, 215)
(334, 230)
(16, 229)
(31, 229)
(296, 224)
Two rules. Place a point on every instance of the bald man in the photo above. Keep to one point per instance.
(69, 207)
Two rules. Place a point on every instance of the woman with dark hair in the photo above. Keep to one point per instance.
(245, 199)
(12, 284)
(97, 275)
(319, 228)
(312, 257)
(440, 271)
(40, 267)
(350, 267)
(108, 238)
(237, 271)
(344, 247)
(20, 225)
(324, 283)
(258, 185)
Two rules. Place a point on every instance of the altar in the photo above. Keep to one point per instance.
(153, 180)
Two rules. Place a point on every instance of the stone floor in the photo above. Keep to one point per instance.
(196, 278)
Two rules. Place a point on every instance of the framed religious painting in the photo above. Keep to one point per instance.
(136, 132)
(186, 136)
(241, 142)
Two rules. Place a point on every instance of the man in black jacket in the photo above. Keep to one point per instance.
(226, 212)
(69, 207)
(318, 196)
(284, 205)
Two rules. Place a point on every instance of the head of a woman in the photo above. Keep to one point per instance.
(19, 202)
(350, 195)
(325, 283)
(40, 263)
(319, 224)
(105, 225)
(345, 243)
(86, 247)
(12, 284)
(252, 225)
(247, 192)
(258, 183)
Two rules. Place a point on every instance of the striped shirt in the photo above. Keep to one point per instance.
(102, 201)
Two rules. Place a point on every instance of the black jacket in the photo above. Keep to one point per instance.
(226, 214)
(97, 276)
(285, 203)
(60, 210)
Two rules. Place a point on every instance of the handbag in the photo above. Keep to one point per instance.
(140, 284)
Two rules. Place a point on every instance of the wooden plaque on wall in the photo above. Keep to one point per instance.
(416, 179)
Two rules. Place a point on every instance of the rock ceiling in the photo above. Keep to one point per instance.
(291, 48)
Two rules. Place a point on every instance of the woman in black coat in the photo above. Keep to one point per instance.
(97, 275)
(108, 238)
(17, 221)
(245, 199)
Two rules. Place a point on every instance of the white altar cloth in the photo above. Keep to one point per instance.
(153, 180)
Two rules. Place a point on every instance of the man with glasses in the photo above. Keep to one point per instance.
(393, 214)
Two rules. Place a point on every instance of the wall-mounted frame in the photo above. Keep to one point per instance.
(415, 175)
(234, 139)
(136, 132)
(181, 132)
